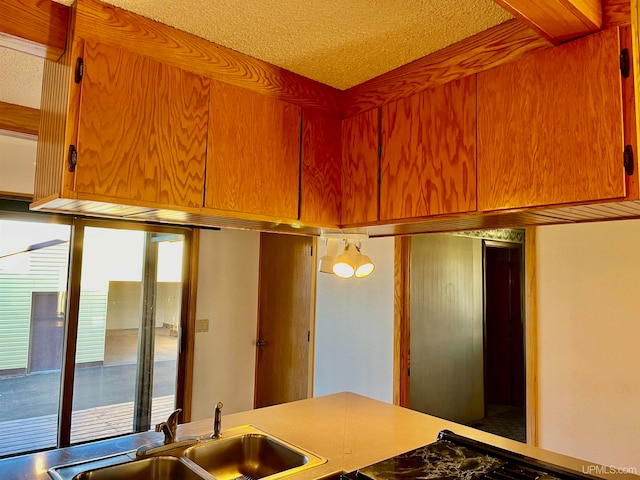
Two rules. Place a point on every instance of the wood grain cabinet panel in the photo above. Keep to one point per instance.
(550, 127)
(253, 163)
(142, 129)
(321, 196)
(428, 163)
(360, 166)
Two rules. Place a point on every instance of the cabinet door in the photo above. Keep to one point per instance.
(550, 127)
(254, 153)
(428, 163)
(320, 201)
(360, 166)
(142, 129)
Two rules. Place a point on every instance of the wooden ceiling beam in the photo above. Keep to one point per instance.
(36, 27)
(19, 119)
(557, 20)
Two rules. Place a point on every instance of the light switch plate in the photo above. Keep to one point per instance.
(202, 325)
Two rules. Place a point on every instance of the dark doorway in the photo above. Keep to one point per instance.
(46, 331)
(504, 359)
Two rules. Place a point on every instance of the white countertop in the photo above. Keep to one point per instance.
(349, 430)
(353, 431)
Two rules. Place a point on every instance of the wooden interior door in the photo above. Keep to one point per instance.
(285, 312)
(428, 164)
(142, 131)
(254, 153)
(446, 327)
(550, 127)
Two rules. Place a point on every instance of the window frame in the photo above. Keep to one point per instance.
(11, 209)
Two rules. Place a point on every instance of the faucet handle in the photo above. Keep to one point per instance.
(217, 420)
(170, 427)
(173, 418)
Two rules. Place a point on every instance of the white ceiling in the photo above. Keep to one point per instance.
(20, 78)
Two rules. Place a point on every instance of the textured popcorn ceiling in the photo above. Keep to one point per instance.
(20, 78)
(338, 42)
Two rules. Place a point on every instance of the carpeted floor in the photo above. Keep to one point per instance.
(504, 420)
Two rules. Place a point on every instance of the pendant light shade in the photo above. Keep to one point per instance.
(351, 262)
(345, 265)
(329, 259)
(364, 266)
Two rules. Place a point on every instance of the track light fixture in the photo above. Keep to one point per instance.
(351, 261)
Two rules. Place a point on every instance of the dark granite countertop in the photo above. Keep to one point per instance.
(441, 460)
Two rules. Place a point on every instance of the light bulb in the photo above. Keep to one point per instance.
(364, 266)
(345, 265)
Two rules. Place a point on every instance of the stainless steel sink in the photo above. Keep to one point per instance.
(249, 453)
(152, 468)
(240, 453)
(156, 468)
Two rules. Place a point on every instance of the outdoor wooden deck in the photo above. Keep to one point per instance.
(41, 432)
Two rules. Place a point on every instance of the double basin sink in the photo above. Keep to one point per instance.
(240, 453)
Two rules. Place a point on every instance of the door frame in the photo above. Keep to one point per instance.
(402, 327)
(312, 320)
(186, 337)
(490, 243)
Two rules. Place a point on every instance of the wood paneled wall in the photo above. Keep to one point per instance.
(446, 327)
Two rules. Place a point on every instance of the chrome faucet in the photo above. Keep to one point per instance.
(171, 445)
(170, 427)
(217, 421)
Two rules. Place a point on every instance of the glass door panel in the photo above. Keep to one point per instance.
(128, 326)
(167, 333)
(33, 282)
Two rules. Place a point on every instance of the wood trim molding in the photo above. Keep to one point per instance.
(123, 29)
(15, 196)
(401, 322)
(312, 317)
(36, 27)
(557, 20)
(531, 336)
(191, 327)
(39, 27)
(501, 44)
(616, 13)
(19, 119)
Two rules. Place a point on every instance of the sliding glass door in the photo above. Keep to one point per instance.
(92, 314)
(33, 283)
(129, 320)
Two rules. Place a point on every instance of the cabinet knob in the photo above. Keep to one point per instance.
(261, 343)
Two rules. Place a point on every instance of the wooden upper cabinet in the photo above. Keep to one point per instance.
(321, 196)
(428, 163)
(142, 129)
(360, 166)
(550, 127)
(253, 163)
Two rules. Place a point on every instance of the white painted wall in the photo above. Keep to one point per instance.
(228, 296)
(17, 164)
(354, 329)
(589, 341)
